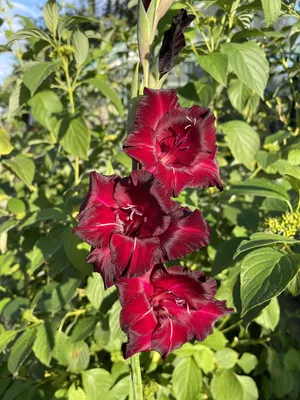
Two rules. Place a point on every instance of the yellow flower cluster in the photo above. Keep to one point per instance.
(287, 225)
(149, 390)
(64, 50)
(272, 147)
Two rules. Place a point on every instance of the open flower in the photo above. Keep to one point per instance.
(178, 145)
(166, 308)
(132, 223)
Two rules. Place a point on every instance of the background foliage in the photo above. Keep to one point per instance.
(63, 115)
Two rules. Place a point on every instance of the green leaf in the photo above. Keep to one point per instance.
(63, 348)
(216, 341)
(95, 290)
(283, 167)
(248, 384)
(270, 316)
(283, 384)
(197, 93)
(261, 188)
(44, 343)
(215, 64)
(51, 16)
(143, 33)
(226, 358)
(265, 273)
(247, 362)
(80, 357)
(261, 239)
(248, 61)
(105, 88)
(187, 379)
(96, 383)
(81, 47)
(76, 137)
(272, 10)
(243, 142)
(23, 167)
(228, 387)
(205, 359)
(44, 105)
(21, 350)
(35, 75)
(83, 328)
(76, 394)
(291, 360)
(242, 98)
(5, 146)
(294, 285)
(77, 251)
(17, 207)
(64, 292)
(29, 34)
(6, 338)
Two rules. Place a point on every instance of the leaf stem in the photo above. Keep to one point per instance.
(136, 377)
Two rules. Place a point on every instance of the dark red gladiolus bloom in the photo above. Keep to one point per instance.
(132, 224)
(178, 145)
(166, 308)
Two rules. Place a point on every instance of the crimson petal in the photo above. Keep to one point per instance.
(137, 316)
(175, 179)
(100, 191)
(96, 226)
(184, 284)
(101, 260)
(153, 105)
(169, 335)
(136, 344)
(128, 288)
(133, 256)
(206, 173)
(203, 321)
(140, 145)
(186, 233)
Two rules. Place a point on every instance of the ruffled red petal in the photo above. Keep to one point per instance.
(101, 260)
(128, 288)
(140, 145)
(136, 344)
(191, 286)
(206, 172)
(187, 232)
(97, 225)
(203, 320)
(153, 105)
(175, 179)
(132, 256)
(169, 335)
(101, 191)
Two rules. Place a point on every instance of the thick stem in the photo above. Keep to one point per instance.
(136, 377)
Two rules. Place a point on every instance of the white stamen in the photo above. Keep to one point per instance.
(188, 308)
(195, 121)
(188, 118)
(145, 219)
(186, 127)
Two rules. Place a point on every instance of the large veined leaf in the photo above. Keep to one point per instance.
(36, 74)
(23, 167)
(215, 64)
(265, 273)
(51, 16)
(105, 88)
(81, 47)
(261, 239)
(44, 104)
(76, 137)
(96, 383)
(187, 379)
(29, 34)
(250, 391)
(242, 98)
(195, 93)
(44, 343)
(243, 141)
(261, 188)
(227, 387)
(80, 357)
(270, 315)
(95, 290)
(21, 350)
(272, 10)
(5, 146)
(248, 61)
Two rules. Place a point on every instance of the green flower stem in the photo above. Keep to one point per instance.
(136, 377)
(72, 103)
